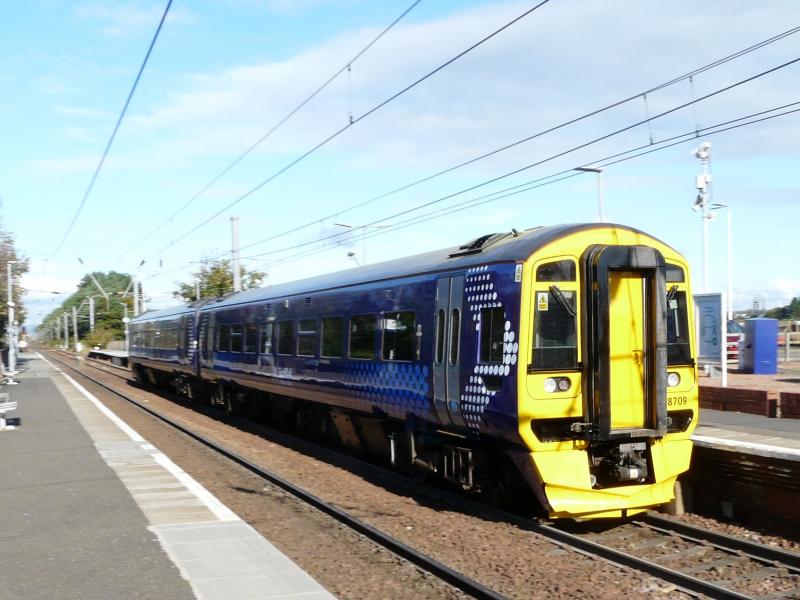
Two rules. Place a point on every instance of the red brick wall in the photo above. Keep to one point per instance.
(755, 402)
(790, 405)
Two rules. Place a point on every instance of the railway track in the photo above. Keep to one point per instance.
(435, 568)
(696, 560)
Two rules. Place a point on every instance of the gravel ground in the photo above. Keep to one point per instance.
(763, 537)
(503, 557)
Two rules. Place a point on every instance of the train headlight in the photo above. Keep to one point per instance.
(550, 385)
(563, 384)
(673, 379)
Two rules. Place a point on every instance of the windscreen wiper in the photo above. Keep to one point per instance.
(562, 301)
(671, 293)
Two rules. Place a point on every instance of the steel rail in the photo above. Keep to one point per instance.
(730, 543)
(458, 580)
(681, 580)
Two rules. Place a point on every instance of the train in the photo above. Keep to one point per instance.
(557, 358)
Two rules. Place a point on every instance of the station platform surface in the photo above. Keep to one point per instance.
(748, 434)
(115, 353)
(91, 510)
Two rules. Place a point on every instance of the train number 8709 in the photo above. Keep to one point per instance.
(673, 401)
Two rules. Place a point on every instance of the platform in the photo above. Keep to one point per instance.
(115, 357)
(748, 434)
(91, 510)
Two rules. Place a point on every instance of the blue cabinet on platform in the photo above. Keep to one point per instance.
(759, 351)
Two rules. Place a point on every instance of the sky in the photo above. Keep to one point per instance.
(224, 72)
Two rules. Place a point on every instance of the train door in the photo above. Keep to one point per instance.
(184, 334)
(626, 337)
(447, 350)
(266, 357)
(205, 341)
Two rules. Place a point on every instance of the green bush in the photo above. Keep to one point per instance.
(100, 337)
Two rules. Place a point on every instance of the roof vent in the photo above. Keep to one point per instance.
(478, 245)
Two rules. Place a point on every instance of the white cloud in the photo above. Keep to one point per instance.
(80, 111)
(119, 19)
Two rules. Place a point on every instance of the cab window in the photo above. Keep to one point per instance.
(555, 345)
(678, 349)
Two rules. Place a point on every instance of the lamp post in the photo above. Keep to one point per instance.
(703, 201)
(11, 326)
(599, 171)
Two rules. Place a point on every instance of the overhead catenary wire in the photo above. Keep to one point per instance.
(538, 182)
(230, 166)
(548, 158)
(107, 149)
(341, 130)
(686, 76)
(560, 176)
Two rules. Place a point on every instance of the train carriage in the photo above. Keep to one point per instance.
(562, 353)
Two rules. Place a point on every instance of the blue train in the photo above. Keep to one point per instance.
(559, 356)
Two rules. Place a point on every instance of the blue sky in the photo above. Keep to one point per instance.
(223, 72)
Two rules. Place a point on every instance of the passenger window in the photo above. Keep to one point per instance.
(399, 336)
(559, 270)
(224, 340)
(266, 337)
(251, 338)
(332, 337)
(555, 340)
(678, 350)
(362, 336)
(236, 338)
(285, 337)
(307, 337)
(491, 335)
(455, 335)
(440, 336)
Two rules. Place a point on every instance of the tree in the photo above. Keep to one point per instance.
(215, 279)
(790, 311)
(108, 315)
(9, 253)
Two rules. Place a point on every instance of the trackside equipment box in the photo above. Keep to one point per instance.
(759, 353)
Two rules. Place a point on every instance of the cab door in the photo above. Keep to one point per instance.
(625, 341)
(447, 350)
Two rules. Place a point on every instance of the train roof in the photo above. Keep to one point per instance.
(493, 248)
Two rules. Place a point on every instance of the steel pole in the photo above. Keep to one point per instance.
(142, 303)
(730, 265)
(707, 200)
(75, 326)
(135, 298)
(66, 331)
(91, 313)
(600, 198)
(127, 332)
(237, 276)
(10, 325)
